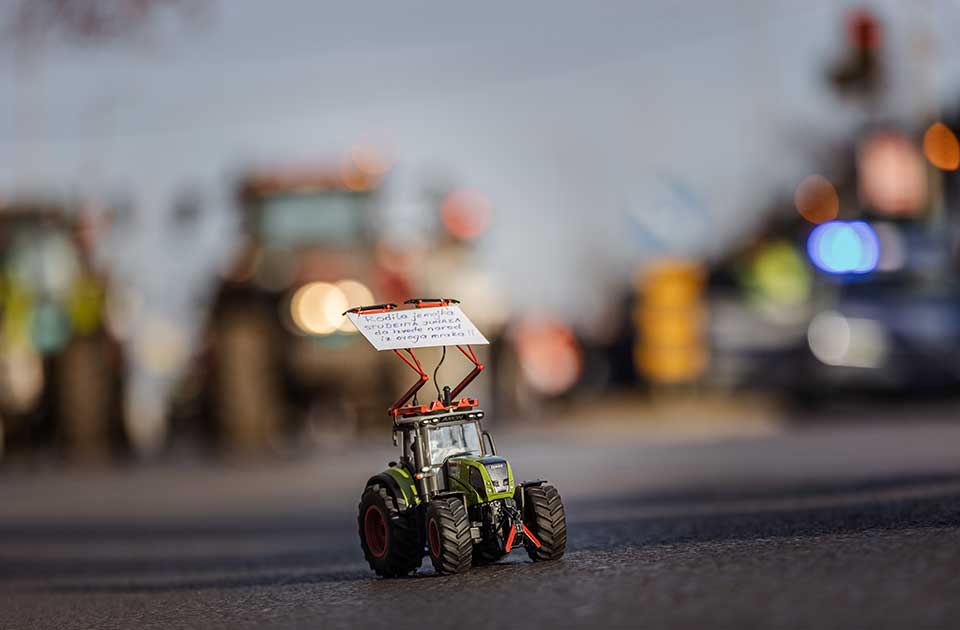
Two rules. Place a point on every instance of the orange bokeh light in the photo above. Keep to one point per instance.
(370, 160)
(816, 199)
(941, 147)
(354, 179)
(466, 213)
(550, 358)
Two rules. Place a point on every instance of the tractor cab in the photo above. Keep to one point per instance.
(450, 452)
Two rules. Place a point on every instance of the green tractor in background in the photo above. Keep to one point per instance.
(450, 495)
(61, 366)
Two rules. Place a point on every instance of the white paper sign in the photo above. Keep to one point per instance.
(418, 328)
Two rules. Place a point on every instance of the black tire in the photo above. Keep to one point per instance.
(389, 537)
(487, 551)
(543, 514)
(448, 536)
(248, 397)
(85, 382)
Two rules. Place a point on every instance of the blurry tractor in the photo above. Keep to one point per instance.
(281, 351)
(60, 370)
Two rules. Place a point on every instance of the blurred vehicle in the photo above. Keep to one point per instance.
(896, 330)
(873, 308)
(61, 370)
(281, 354)
(759, 304)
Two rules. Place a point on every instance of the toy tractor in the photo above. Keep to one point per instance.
(449, 494)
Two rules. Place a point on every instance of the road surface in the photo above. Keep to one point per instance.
(827, 526)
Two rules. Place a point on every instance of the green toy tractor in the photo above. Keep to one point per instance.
(449, 495)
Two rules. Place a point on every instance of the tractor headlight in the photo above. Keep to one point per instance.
(317, 307)
(356, 293)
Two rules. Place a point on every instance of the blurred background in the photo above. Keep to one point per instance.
(655, 213)
(714, 246)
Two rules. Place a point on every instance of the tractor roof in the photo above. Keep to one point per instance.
(412, 422)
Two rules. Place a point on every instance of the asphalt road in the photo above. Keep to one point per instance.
(825, 527)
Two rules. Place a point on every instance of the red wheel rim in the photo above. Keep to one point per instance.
(375, 531)
(433, 533)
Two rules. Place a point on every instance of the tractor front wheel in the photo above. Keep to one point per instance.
(543, 514)
(389, 538)
(488, 551)
(448, 536)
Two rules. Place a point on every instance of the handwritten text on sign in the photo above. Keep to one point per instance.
(418, 328)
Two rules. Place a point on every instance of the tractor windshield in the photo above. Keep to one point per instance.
(454, 439)
(326, 218)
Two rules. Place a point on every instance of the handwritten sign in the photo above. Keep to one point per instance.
(418, 328)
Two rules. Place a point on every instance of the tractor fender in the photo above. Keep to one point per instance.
(450, 493)
(518, 493)
(453, 494)
(530, 484)
(400, 484)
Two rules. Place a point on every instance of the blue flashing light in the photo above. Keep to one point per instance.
(869, 247)
(842, 247)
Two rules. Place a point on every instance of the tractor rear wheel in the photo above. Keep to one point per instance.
(543, 514)
(389, 538)
(85, 386)
(248, 396)
(448, 536)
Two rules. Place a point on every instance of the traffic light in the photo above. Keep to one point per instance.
(859, 70)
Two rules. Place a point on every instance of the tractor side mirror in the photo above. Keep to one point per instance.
(491, 447)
